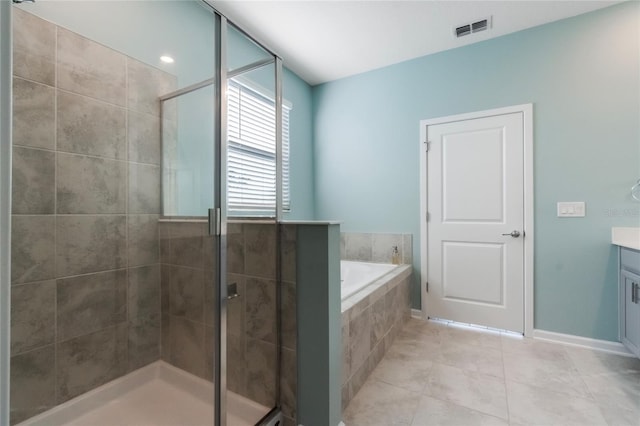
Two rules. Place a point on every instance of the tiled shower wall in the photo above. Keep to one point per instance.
(377, 248)
(187, 296)
(85, 303)
(188, 301)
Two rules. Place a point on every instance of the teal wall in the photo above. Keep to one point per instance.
(583, 77)
(302, 167)
(319, 325)
(185, 29)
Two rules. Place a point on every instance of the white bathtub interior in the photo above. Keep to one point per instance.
(355, 276)
(156, 395)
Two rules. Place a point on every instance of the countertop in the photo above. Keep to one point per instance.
(626, 237)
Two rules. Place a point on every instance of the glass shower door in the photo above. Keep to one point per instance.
(220, 162)
(251, 230)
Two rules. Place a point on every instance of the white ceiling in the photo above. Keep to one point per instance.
(323, 40)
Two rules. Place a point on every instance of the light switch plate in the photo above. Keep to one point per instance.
(571, 209)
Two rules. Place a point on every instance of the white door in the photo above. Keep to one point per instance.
(475, 230)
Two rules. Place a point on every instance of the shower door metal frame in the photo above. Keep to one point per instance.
(220, 199)
(5, 204)
(218, 213)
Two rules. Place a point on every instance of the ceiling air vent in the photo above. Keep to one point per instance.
(479, 26)
(463, 30)
(474, 27)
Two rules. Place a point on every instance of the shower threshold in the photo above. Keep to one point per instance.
(158, 394)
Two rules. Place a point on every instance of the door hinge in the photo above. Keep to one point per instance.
(215, 221)
(427, 218)
(427, 145)
(427, 286)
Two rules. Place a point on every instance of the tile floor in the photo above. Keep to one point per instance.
(438, 374)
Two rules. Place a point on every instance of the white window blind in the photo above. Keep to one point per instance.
(251, 159)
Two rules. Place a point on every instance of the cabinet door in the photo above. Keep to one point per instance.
(631, 306)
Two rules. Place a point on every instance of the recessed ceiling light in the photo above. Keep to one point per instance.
(167, 59)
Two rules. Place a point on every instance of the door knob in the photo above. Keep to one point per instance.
(514, 234)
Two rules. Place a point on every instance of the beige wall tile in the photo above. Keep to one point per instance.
(146, 85)
(89, 361)
(260, 309)
(33, 114)
(261, 372)
(236, 363)
(186, 244)
(187, 293)
(143, 247)
(289, 316)
(32, 315)
(88, 126)
(359, 339)
(91, 69)
(143, 134)
(358, 247)
(33, 181)
(90, 303)
(89, 185)
(235, 248)
(289, 383)
(33, 379)
(144, 316)
(187, 345)
(90, 244)
(32, 248)
(260, 250)
(34, 43)
(382, 247)
(144, 189)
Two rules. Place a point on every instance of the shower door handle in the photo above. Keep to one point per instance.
(232, 291)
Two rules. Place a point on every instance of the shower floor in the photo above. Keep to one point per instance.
(156, 395)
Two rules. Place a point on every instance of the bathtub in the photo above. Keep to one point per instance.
(355, 276)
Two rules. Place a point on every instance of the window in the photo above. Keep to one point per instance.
(252, 151)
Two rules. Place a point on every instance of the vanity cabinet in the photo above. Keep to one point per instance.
(630, 299)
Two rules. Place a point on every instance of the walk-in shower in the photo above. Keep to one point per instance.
(146, 198)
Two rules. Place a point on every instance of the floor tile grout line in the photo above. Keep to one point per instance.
(504, 374)
(464, 407)
(579, 374)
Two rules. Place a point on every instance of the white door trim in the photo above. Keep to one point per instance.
(527, 112)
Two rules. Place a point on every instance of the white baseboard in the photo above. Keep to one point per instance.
(583, 342)
(416, 313)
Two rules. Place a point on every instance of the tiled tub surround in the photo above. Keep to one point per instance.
(188, 306)
(85, 303)
(371, 319)
(374, 247)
